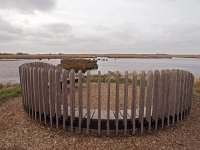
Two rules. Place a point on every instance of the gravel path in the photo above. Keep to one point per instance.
(18, 131)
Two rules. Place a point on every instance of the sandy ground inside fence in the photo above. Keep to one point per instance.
(19, 131)
(104, 96)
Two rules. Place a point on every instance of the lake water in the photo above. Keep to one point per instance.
(9, 69)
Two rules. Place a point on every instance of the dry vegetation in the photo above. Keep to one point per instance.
(60, 56)
(196, 87)
(78, 64)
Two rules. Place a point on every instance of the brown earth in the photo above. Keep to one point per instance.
(19, 131)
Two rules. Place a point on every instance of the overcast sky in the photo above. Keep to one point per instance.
(97, 26)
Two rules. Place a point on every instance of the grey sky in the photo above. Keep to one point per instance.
(94, 26)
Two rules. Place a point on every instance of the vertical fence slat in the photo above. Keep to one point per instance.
(156, 97)
(21, 84)
(46, 86)
(108, 105)
(88, 101)
(117, 103)
(161, 97)
(40, 94)
(182, 95)
(51, 98)
(31, 90)
(178, 93)
(141, 102)
(99, 102)
(72, 98)
(43, 92)
(162, 101)
(58, 95)
(174, 83)
(149, 98)
(35, 77)
(65, 75)
(167, 97)
(185, 93)
(80, 97)
(25, 89)
(125, 102)
(134, 95)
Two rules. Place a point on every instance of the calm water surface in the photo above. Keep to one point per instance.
(9, 69)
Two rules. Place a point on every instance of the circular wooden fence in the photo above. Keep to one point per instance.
(128, 103)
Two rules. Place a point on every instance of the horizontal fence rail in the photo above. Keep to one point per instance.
(113, 103)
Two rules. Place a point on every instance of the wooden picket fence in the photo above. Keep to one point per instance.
(158, 99)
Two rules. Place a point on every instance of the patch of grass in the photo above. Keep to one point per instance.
(196, 88)
(9, 91)
(104, 79)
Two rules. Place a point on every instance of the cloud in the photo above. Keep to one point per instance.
(28, 5)
(8, 32)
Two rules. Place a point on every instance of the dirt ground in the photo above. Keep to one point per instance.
(19, 131)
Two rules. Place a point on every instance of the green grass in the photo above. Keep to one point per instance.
(8, 92)
(196, 94)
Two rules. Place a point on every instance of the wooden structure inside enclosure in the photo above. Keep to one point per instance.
(130, 103)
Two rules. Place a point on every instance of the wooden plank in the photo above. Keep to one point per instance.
(185, 91)
(117, 103)
(88, 101)
(51, 98)
(187, 94)
(182, 93)
(189, 87)
(99, 102)
(65, 75)
(24, 89)
(149, 98)
(134, 95)
(161, 97)
(27, 90)
(141, 102)
(125, 102)
(31, 90)
(80, 98)
(178, 93)
(174, 84)
(57, 95)
(43, 93)
(156, 97)
(21, 84)
(35, 89)
(24, 86)
(27, 94)
(46, 88)
(108, 104)
(72, 98)
(40, 94)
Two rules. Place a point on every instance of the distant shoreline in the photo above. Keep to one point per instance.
(59, 56)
